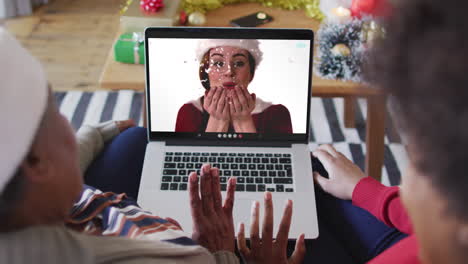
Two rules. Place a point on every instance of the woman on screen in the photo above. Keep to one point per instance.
(227, 66)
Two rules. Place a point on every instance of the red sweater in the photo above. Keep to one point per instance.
(274, 119)
(384, 203)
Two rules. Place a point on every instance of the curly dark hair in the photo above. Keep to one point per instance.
(423, 64)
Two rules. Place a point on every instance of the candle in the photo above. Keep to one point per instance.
(340, 14)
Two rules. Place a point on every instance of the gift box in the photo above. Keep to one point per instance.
(130, 48)
(134, 19)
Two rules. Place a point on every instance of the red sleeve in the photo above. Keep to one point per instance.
(279, 120)
(383, 202)
(403, 252)
(189, 119)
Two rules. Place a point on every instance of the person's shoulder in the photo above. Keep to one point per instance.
(192, 106)
(277, 109)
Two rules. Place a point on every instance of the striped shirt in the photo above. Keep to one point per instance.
(111, 214)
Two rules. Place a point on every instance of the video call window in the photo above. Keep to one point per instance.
(229, 85)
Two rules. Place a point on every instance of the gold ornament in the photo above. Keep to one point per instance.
(341, 50)
(196, 19)
(371, 31)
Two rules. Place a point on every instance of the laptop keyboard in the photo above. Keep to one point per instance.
(255, 172)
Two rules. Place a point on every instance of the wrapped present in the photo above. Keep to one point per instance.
(130, 48)
(133, 19)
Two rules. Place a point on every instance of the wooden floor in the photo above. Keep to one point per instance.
(71, 38)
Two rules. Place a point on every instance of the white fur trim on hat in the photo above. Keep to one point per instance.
(23, 99)
(251, 45)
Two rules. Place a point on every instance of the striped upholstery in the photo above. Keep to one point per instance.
(327, 124)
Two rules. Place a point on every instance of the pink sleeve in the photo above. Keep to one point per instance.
(189, 119)
(383, 202)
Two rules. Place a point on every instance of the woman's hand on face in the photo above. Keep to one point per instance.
(213, 225)
(343, 174)
(268, 250)
(216, 104)
(242, 104)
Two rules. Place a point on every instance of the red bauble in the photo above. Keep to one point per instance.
(151, 6)
(377, 8)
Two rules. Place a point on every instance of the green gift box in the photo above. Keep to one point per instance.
(130, 48)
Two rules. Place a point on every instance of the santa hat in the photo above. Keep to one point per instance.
(23, 100)
(251, 45)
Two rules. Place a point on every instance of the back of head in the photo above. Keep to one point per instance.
(422, 64)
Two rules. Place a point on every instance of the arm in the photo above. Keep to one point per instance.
(91, 140)
(383, 202)
(346, 181)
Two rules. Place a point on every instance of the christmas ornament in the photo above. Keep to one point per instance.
(340, 50)
(151, 6)
(311, 7)
(182, 18)
(371, 31)
(375, 8)
(196, 19)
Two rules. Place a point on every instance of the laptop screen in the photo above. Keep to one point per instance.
(229, 88)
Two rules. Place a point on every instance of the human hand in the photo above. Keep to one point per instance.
(213, 225)
(268, 250)
(122, 125)
(343, 174)
(216, 105)
(242, 104)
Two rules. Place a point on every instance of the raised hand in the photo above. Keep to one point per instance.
(343, 174)
(268, 250)
(213, 225)
(216, 104)
(241, 107)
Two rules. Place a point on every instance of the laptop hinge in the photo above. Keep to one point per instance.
(179, 142)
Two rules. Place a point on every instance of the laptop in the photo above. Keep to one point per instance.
(239, 99)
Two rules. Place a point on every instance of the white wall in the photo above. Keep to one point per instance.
(281, 78)
(2, 9)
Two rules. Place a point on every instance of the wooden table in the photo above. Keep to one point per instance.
(117, 76)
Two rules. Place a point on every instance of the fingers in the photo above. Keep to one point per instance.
(206, 190)
(324, 157)
(241, 244)
(330, 149)
(195, 202)
(216, 96)
(299, 251)
(283, 232)
(209, 97)
(254, 227)
(267, 227)
(221, 101)
(235, 102)
(241, 97)
(216, 188)
(229, 202)
(249, 98)
(322, 181)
